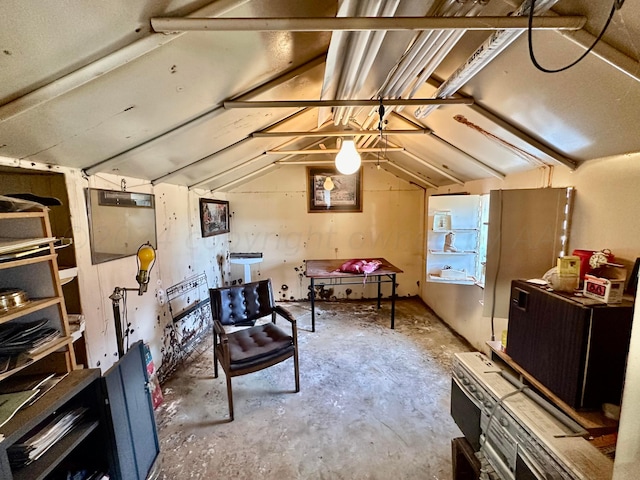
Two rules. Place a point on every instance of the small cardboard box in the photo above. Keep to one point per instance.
(569, 265)
(603, 289)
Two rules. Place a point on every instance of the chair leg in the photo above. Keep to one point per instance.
(295, 368)
(230, 397)
(215, 354)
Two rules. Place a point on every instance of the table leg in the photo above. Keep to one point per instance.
(312, 295)
(393, 301)
(379, 291)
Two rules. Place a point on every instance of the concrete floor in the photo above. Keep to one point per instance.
(374, 403)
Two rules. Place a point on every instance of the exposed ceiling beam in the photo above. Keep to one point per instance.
(411, 174)
(105, 64)
(331, 150)
(354, 24)
(228, 171)
(492, 171)
(340, 133)
(478, 163)
(205, 117)
(436, 169)
(323, 162)
(606, 52)
(346, 103)
(243, 164)
(246, 178)
(558, 157)
(512, 129)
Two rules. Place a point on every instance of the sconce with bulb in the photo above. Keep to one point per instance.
(348, 159)
(146, 258)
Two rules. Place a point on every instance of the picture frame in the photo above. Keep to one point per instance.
(214, 217)
(345, 194)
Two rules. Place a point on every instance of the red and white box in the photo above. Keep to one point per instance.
(604, 289)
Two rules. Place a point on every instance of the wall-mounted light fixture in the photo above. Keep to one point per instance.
(146, 257)
(348, 159)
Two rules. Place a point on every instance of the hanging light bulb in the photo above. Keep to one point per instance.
(328, 184)
(348, 159)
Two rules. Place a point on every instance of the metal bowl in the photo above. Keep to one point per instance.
(12, 298)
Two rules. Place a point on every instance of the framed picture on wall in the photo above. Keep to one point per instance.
(214, 217)
(331, 191)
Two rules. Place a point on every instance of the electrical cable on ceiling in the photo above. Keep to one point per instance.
(617, 4)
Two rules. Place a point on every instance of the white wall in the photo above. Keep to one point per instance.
(269, 215)
(181, 253)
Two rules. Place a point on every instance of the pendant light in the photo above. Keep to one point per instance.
(348, 159)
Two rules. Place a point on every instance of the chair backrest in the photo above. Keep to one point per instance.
(242, 304)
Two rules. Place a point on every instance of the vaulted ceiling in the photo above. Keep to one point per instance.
(209, 95)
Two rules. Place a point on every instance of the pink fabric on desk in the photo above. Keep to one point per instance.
(360, 266)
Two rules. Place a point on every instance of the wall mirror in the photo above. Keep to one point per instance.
(119, 222)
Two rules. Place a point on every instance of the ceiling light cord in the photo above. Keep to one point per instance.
(617, 4)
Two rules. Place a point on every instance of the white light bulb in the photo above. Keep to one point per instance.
(348, 159)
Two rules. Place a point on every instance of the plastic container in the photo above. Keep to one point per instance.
(584, 256)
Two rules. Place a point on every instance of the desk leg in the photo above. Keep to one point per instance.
(393, 301)
(379, 291)
(312, 295)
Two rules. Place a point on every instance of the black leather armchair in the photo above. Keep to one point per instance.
(256, 347)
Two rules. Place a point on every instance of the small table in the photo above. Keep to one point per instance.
(330, 270)
(246, 259)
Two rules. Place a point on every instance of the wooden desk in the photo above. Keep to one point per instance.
(329, 270)
(593, 421)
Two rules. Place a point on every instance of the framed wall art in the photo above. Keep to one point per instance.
(331, 191)
(214, 217)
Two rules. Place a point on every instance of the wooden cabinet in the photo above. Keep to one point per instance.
(574, 346)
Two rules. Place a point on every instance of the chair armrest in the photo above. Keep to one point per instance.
(219, 330)
(284, 313)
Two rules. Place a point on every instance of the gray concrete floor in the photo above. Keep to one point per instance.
(374, 403)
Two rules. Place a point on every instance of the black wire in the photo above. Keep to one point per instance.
(617, 4)
(381, 114)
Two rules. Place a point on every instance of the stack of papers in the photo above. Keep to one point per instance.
(10, 403)
(17, 338)
(41, 383)
(10, 246)
(36, 444)
(85, 475)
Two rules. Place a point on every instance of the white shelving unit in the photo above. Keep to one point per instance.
(457, 217)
